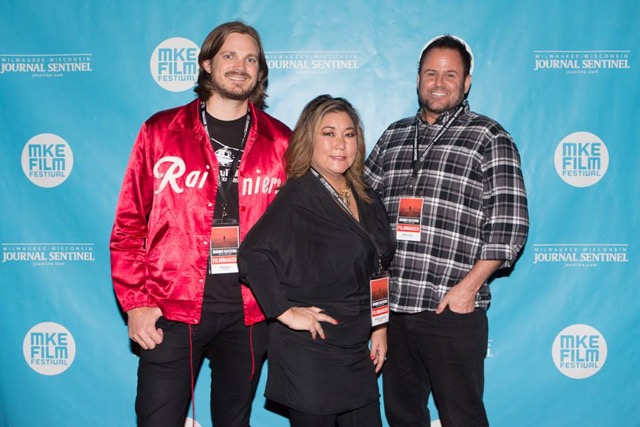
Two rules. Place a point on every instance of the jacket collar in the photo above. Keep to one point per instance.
(188, 119)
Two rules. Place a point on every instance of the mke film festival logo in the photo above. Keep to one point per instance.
(47, 254)
(581, 61)
(174, 64)
(50, 65)
(579, 351)
(581, 159)
(49, 348)
(312, 62)
(47, 160)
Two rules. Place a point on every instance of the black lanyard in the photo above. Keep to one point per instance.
(409, 187)
(332, 191)
(234, 165)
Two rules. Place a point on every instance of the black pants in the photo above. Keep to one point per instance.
(236, 353)
(441, 354)
(368, 416)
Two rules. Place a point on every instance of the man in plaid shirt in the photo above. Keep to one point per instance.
(452, 185)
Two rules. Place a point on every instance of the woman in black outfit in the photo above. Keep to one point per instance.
(309, 260)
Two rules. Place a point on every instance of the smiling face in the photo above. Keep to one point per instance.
(234, 69)
(442, 83)
(334, 147)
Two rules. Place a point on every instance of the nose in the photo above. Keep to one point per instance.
(341, 142)
(239, 64)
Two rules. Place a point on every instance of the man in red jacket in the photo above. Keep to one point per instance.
(198, 179)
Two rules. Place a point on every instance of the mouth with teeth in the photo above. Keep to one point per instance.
(239, 77)
(439, 94)
(238, 82)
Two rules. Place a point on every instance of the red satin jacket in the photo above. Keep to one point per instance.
(160, 238)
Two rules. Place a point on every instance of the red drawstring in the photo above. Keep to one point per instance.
(253, 358)
(193, 399)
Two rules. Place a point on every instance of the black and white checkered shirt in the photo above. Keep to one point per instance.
(475, 204)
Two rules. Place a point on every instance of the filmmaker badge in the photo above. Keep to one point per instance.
(409, 219)
(223, 250)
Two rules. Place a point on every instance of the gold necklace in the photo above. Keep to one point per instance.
(346, 195)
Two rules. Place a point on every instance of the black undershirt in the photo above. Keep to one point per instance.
(222, 291)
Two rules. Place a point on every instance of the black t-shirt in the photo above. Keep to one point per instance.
(222, 291)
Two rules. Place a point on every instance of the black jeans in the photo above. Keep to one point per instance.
(441, 354)
(236, 353)
(368, 416)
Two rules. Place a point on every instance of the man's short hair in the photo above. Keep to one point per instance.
(447, 41)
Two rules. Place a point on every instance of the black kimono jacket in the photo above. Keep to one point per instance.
(307, 251)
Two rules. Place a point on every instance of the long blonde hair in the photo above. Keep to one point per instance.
(300, 151)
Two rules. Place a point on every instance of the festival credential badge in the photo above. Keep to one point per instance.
(223, 250)
(409, 219)
(379, 300)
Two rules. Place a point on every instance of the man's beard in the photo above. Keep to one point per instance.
(425, 106)
(234, 95)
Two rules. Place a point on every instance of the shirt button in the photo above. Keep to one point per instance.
(210, 204)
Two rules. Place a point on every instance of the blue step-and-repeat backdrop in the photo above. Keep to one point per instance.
(78, 78)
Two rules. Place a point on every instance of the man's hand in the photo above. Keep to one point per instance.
(462, 297)
(306, 319)
(142, 326)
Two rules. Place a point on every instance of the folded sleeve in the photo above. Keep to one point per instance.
(504, 200)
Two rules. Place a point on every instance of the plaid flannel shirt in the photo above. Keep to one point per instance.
(475, 204)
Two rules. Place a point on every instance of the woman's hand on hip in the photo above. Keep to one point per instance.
(306, 319)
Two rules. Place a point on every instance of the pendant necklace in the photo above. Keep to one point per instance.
(345, 195)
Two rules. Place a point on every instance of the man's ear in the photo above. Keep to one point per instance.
(206, 65)
(467, 84)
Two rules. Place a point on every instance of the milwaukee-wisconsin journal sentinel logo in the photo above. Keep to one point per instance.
(581, 61)
(47, 160)
(50, 65)
(581, 159)
(47, 254)
(49, 348)
(579, 351)
(580, 255)
(174, 64)
(312, 62)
